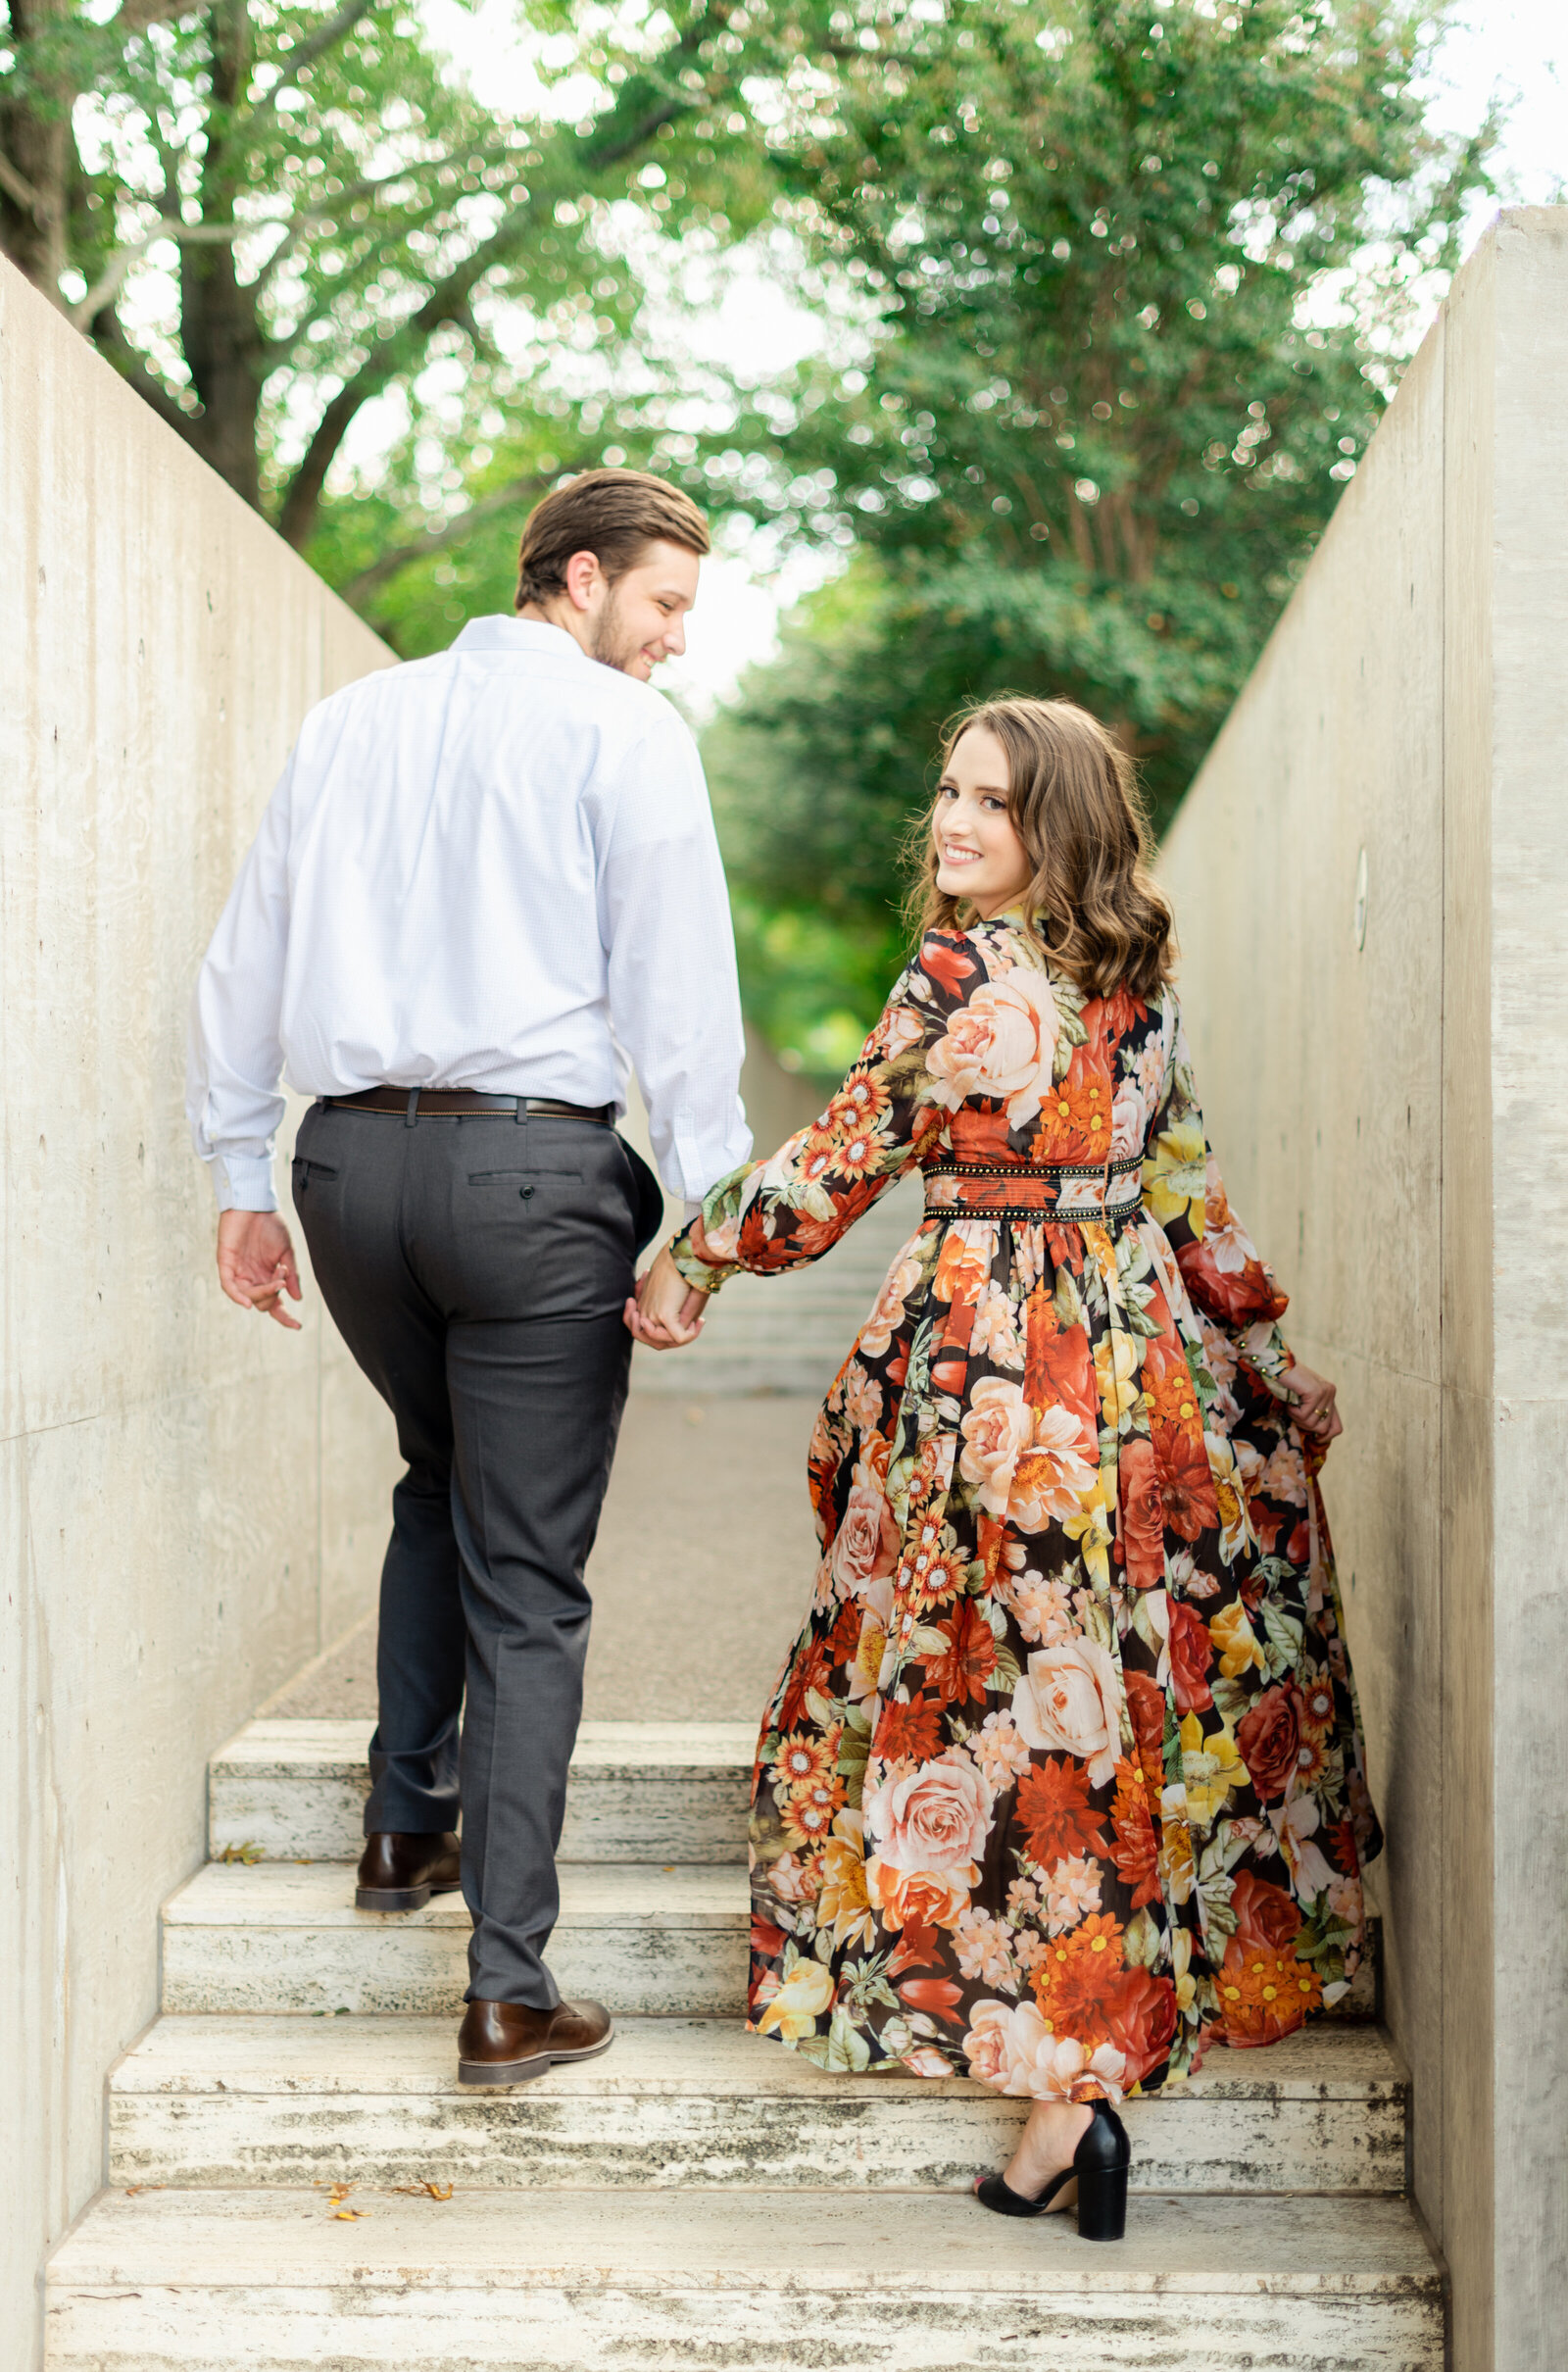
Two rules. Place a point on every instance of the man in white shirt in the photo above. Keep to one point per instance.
(485, 880)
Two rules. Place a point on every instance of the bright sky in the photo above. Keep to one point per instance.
(1515, 51)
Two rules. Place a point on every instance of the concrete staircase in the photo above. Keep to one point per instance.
(296, 2179)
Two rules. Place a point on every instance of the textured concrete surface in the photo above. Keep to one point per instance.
(184, 1489)
(281, 1937)
(216, 2100)
(639, 1792)
(577, 2280)
(1382, 1085)
(701, 1576)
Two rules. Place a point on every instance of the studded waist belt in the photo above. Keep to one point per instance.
(1106, 1191)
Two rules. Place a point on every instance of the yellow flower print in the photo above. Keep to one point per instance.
(1181, 1959)
(1177, 1874)
(841, 1903)
(793, 2012)
(1234, 1636)
(1176, 1175)
(1230, 1490)
(1091, 1527)
(1211, 1768)
(1118, 1391)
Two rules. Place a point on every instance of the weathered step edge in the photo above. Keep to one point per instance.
(288, 1791)
(702, 2104)
(882, 2283)
(289, 1942)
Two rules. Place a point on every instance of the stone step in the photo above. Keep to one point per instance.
(216, 2100)
(286, 1938)
(640, 1791)
(668, 2281)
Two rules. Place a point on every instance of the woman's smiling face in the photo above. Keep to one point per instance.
(980, 857)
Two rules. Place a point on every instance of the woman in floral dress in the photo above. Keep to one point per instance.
(1062, 1780)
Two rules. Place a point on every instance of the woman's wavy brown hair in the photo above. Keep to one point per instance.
(1074, 802)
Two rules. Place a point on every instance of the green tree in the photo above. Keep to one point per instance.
(341, 207)
(1137, 268)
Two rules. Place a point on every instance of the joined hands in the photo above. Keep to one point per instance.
(666, 1312)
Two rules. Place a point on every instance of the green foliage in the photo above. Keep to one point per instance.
(1132, 274)
(332, 209)
(1115, 394)
(810, 982)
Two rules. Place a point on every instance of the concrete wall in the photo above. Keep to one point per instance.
(191, 1501)
(1387, 1105)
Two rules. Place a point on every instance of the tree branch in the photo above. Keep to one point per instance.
(107, 286)
(296, 226)
(135, 15)
(110, 338)
(324, 38)
(608, 144)
(445, 303)
(18, 188)
(437, 540)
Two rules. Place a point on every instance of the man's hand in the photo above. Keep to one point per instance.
(1311, 1403)
(667, 1313)
(255, 1263)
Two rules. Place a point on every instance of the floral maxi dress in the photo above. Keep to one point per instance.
(1064, 1777)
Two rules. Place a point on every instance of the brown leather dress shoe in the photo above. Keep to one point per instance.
(505, 2043)
(402, 1872)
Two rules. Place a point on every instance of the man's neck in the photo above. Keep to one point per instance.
(560, 613)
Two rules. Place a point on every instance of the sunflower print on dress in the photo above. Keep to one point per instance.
(1064, 1777)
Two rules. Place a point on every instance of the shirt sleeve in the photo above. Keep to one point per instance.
(234, 1058)
(675, 999)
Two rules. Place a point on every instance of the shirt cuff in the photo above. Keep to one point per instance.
(698, 1273)
(243, 1182)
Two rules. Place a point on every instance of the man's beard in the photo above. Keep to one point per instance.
(612, 643)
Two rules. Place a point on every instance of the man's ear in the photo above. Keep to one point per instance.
(585, 580)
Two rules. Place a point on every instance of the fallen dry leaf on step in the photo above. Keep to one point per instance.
(350, 2215)
(248, 1854)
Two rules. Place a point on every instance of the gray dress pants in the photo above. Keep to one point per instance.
(476, 1267)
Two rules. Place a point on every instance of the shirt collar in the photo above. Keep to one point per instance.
(500, 633)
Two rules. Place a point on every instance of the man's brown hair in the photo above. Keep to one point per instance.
(614, 514)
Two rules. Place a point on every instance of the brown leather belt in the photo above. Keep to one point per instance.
(412, 1103)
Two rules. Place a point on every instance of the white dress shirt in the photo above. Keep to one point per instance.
(497, 869)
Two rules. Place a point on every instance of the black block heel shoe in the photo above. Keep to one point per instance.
(1096, 2182)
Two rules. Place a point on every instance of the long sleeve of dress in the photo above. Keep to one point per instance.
(780, 1212)
(1227, 1281)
